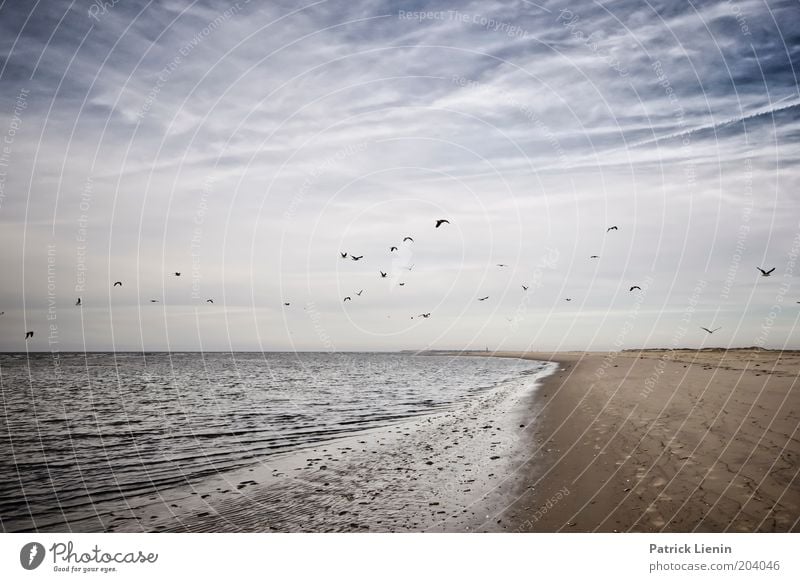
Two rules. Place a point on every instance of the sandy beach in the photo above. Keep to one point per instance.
(649, 441)
(675, 441)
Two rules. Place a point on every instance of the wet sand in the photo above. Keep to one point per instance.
(674, 441)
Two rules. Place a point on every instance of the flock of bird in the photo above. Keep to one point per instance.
(383, 274)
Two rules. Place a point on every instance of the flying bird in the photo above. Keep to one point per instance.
(209, 301)
(348, 298)
(408, 238)
(177, 274)
(524, 288)
(594, 257)
(78, 302)
(610, 228)
(441, 221)
(287, 304)
(360, 292)
(710, 331)
(501, 265)
(392, 249)
(425, 315)
(355, 258)
(383, 275)
(154, 301)
(344, 255)
(635, 287)
(117, 284)
(483, 298)
(401, 284)
(410, 267)
(568, 299)
(765, 273)
(28, 334)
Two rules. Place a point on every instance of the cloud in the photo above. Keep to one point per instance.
(246, 144)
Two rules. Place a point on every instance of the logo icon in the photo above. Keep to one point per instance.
(31, 555)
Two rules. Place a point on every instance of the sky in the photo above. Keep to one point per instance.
(247, 144)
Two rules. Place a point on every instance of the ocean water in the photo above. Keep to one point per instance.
(83, 429)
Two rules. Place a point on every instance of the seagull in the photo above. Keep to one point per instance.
(348, 298)
(610, 228)
(425, 315)
(710, 331)
(408, 238)
(78, 302)
(177, 274)
(594, 257)
(355, 258)
(635, 287)
(401, 284)
(483, 298)
(441, 221)
(28, 334)
(501, 265)
(392, 249)
(524, 288)
(209, 301)
(568, 299)
(344, 255)
(117, 284)
(287, 304)
(411, 267)
(154, 301)
(383, 275)
(765, 273)
(360, 292)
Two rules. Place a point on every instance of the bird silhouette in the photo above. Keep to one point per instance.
(28, 334)
(568, 299)
(287, 304)
(635, 287)
(501, 265)
(408, 238)
(383, 275)
(594, 257)
(177, 274)
(524, 288)
(410, 267)
(710, 331)
(355, 258)
(765, 273)
(441, 221)
(610, 228)
(392, 249)
(117, 284)
(425, 315)
(360, 292)
(344, 255)
(154, 301)
(78, 302)
(483, 298)
(348, 298)
(401, 284)
(209, 301)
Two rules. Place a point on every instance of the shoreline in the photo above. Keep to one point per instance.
(663, 441)
(442, 472)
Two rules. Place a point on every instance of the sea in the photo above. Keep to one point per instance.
(79, 429)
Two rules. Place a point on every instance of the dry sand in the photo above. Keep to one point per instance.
(664, 440)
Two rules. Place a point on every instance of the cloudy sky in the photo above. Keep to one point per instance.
(246, 144)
